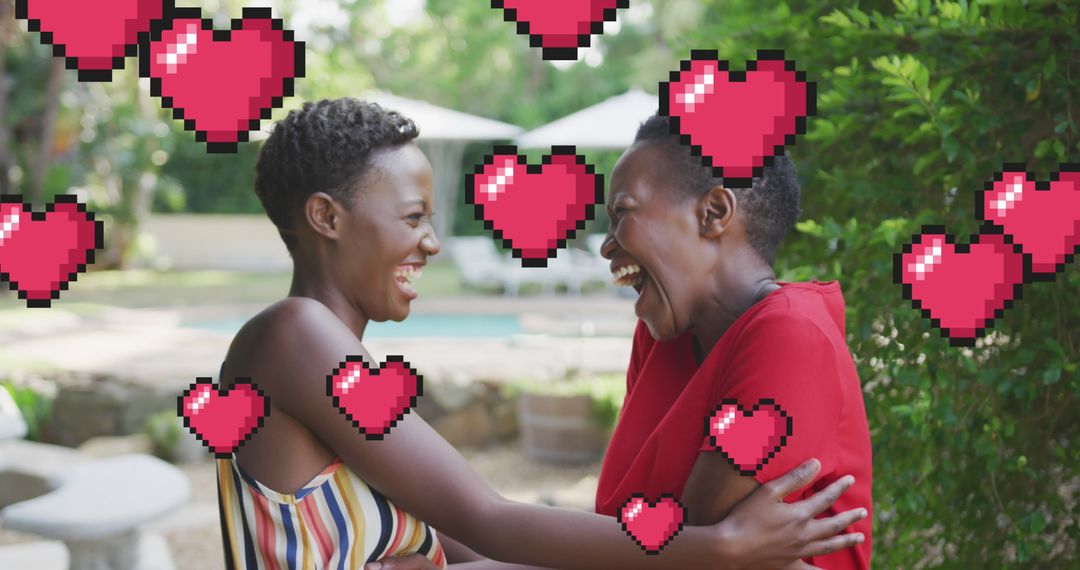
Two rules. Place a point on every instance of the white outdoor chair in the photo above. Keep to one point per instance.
(481, 265)
(561, 270)
(477, 260)
(595, 242)
(591, 265)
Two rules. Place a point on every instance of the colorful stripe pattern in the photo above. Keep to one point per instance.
(334, 522)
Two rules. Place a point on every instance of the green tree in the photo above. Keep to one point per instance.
(920, 103)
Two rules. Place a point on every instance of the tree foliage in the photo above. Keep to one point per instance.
(919, 104)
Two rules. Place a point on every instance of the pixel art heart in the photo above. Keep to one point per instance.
(748, 438)
(534, 209)
(93, 37)
(221, 83)
(1043, 218)
(41, 252)
(559, 27)
(223, 420)
(652, 524)
(960, 288)
(374, 400)
(737, 121)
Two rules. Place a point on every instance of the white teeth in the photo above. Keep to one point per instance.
(407, 275)
(627, 275)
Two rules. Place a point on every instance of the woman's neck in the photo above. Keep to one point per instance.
(314, 283)
(727, 304)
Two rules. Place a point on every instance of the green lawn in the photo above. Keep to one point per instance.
(135, 289)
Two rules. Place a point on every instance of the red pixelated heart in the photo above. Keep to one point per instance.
(1043, 218)
(737, 121)
(652, 524)
(94, 37)
(221, 83)
(374, 400)
(748, 438)
(960, 288)
(534, 209)
(41, 252)
(559, 27)
(223, 420)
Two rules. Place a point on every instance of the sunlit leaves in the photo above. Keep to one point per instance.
(920, 102)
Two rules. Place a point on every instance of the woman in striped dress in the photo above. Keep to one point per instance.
(351, 196)
(334, 521)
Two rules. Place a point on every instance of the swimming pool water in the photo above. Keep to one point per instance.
(454, 326)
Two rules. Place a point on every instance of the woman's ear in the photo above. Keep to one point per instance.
(716, 210)
(322, 214)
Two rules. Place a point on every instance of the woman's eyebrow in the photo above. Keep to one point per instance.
(420, 201)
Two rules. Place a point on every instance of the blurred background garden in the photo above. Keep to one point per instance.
(919, 103)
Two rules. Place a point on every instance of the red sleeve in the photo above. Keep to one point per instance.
(785, 357)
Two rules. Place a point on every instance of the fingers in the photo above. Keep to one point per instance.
(824, 528)
(795, 479)
(827, 496)
(822, 547)
(413, 562)
(800, 565)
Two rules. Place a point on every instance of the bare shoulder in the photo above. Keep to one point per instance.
(290, 324)
(290, 338)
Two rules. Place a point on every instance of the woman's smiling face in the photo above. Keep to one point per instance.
(387, 235)
(654, 242)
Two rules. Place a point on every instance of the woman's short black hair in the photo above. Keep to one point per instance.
(770, 206)
(324, 146)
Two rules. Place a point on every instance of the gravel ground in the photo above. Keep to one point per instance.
(505, 467)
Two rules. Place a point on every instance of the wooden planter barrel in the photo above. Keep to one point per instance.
(560, 429)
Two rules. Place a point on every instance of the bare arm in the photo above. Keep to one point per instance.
(717, 492)
(420, 472)
(713, 489)
(457, 553)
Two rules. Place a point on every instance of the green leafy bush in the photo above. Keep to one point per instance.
(919, 104)
(35, 407)
(165, 432)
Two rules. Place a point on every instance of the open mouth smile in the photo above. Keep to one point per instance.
(629, 275)
(633, 275)
(405, 276)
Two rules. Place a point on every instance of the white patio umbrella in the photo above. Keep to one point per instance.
(610, 124)
(444, 133)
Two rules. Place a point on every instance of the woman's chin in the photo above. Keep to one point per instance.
(662, 329)
(401, 312)
(658, 332)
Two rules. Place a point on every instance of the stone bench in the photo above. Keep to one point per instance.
(53, 555)
(97, 508)
(27, 467)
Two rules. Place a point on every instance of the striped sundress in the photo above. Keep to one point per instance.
(334, 522)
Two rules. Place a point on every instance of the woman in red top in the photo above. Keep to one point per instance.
(716, 325)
